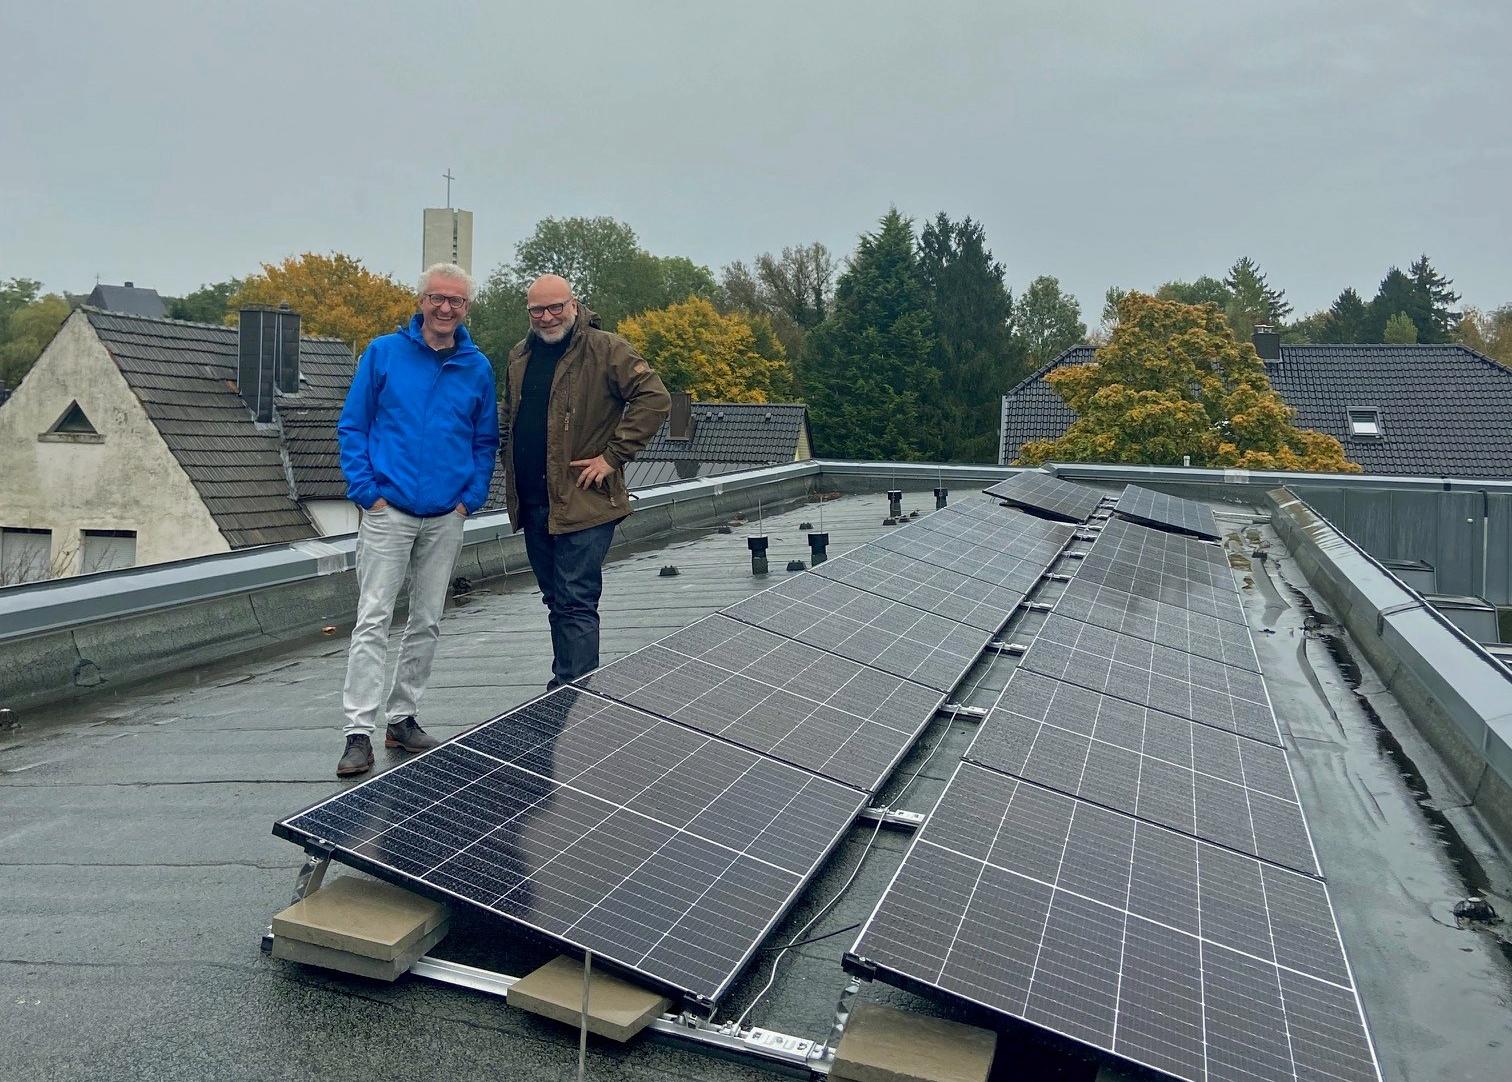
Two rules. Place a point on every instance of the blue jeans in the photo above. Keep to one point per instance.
(569, 569)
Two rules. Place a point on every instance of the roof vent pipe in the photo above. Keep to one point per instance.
(1267, 343)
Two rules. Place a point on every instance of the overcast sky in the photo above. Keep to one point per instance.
(1105, 142)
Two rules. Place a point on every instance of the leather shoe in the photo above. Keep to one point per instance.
(357, 758)
(405, 734)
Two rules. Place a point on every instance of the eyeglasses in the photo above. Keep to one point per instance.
(538, 310)
(442, 299)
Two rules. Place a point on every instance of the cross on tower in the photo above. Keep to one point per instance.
(449, 179)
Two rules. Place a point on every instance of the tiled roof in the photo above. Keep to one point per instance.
(310, 439)
(1033, 411)
(755, 433)
(185, 376)
(129, 300)
(727, 437)
(1445, 410)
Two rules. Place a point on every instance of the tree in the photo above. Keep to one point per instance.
(207, 304)
(1173, 382)
(867, 368)
(27, 330)
(1434, 292)
(716, 357)
(1487, 332)
(1205, 290)
(1047, 321)
(1396, 294)
(1400, 330)
(682, 278)
(795, 290)
(1346, 320)
(975, 354)
(334, 294)
(1252, 300)
(16, 293)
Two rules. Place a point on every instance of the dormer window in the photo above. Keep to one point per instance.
(1365, 422)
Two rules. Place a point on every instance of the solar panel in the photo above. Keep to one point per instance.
(1142, 544)
(665, 851)
(1018, 567)
(1149, 674)
(1131, 939)
(934, 589)
(887, 635)
(1003, 528)
(1177, 773)
(1167, 512)
(1171, 582)
(776, 696)
(1042, 492)
(1170, 625)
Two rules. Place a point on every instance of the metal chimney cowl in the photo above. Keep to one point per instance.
(1267, 342)
(267, 357)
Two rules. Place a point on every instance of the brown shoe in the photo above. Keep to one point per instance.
(357, 758)
(405, 734)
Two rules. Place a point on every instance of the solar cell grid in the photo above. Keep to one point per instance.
(1152, 675)
(1156, 947)
(995, 526)
(1170, 625)
(887, 635)
(661, 849)
(1051, 495)
(1014, 566)
(1180, 774)
(1128, 538)
(1164, 510)
(776, 696)
(934, 589)
(1176, 586)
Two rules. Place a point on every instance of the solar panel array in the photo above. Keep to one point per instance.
(665, 812)
(1122, 857)
(1042, 492)
(1170, 512)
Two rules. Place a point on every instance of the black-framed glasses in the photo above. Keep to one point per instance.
(440, 299)
(538, 310)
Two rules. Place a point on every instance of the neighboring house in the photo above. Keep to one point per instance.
(136, 440)
(129, 299)
(1399, 410)
(706, 439)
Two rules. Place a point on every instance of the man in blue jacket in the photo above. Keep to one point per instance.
(419, 437)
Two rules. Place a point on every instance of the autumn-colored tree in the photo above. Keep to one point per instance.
(724, 358)
(1172, 382)
(334, 294)
(1488, 332)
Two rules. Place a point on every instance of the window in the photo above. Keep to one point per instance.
(1365, 422)
(25, 554)
(107, 550)
(72, 427)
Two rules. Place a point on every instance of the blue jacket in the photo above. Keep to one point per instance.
(420, 432)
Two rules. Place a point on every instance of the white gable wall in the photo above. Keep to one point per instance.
(128, 480)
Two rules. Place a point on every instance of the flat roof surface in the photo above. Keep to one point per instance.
(140, 870)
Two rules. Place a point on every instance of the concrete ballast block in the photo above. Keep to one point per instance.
(292, 950)
(363, 917)
(882, 1044)
(617, 1009)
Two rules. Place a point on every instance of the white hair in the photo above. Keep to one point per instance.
(447, 270)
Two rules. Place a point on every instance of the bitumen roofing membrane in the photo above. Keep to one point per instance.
(139, 869)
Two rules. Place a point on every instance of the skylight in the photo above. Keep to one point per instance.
(1365, 421)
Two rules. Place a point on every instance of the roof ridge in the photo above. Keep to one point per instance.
(196, 323)
(1062, 358)
(1451, 347)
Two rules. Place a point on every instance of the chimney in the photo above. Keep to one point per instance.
(268, 357)
(1267, 341)
(681, 424)
(130, 285)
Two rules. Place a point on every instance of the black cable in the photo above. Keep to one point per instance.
(817, 938)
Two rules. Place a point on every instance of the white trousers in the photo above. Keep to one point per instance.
(390, 544)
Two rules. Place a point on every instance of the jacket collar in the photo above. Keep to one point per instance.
(461, 340)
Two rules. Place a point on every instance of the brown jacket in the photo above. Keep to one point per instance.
(605, 400)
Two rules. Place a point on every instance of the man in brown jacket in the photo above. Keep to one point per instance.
(580, 404)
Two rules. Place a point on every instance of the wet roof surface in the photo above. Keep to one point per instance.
(140, 869)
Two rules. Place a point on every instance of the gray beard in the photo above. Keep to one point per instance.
(558, 334)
